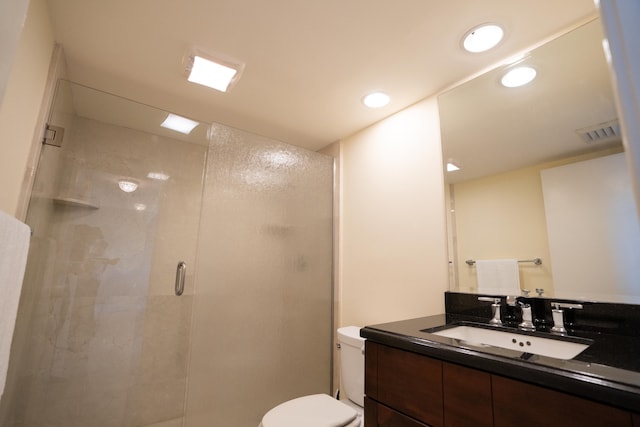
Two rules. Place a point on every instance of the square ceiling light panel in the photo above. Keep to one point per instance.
(214, 73)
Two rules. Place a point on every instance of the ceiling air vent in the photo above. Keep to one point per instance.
(604, 132)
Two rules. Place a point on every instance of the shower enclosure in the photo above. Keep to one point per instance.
(124, 212)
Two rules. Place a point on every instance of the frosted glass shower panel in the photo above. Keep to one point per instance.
(264, 287)
(104, 338)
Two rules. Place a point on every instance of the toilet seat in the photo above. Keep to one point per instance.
(317, 410)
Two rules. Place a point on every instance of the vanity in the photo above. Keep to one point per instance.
(414, 377)
(568, 360)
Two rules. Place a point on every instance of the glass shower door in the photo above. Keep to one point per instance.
(101, 337)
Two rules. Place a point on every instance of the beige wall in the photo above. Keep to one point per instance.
(12, 16)
(502, 216)
(22, 102)
(393, 262)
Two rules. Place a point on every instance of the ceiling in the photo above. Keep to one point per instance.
(307, 64)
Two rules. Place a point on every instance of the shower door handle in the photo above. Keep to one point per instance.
(181, 271)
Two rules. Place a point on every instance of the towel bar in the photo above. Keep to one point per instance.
(536, 261)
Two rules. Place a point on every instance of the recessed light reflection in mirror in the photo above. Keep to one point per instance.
(519, 76)
(159, 176)
(179, 124)
(128, 186)
(452, 167)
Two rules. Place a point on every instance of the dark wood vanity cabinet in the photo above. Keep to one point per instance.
(405, 389)
(467, 396)
(405, 381)
(379, 415)
(540, 406)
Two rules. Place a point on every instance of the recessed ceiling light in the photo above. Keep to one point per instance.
(127, 186)
(179, 124)
(519, 76)
(213, 73)
(482, 38)
(376, 100)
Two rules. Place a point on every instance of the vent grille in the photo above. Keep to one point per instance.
(604, 132)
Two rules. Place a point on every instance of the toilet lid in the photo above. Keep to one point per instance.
(317, 410)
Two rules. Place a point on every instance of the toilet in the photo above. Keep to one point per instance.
(322, 410)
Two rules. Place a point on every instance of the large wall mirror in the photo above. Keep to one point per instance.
(514, 147)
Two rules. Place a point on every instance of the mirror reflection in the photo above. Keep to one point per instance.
(542, 175)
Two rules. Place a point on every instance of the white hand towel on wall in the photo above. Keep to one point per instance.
(498, 276)
(14, 245)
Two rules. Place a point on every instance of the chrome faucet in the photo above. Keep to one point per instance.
(495, 310)
(558, 316)
(527, 321)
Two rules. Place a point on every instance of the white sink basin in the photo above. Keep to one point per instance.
(482, 337)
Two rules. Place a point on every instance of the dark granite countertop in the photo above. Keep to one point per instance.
(608, 371)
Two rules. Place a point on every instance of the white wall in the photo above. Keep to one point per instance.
(22, 102)
(620, 20)
(594, 233)
(393, 262)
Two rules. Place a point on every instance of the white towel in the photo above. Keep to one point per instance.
(14, 245)
(498, 276)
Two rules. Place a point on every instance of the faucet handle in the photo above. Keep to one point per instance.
(558, 316)
(559, 305)
(494, 300)
(527, 318)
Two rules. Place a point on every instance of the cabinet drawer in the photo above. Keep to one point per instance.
(377, 415)
(522, 404)
(411, 384)
(467, 397)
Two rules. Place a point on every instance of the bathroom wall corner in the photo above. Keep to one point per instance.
(334, 150)
(57, 71)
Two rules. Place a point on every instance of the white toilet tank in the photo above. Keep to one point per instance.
(352, 363)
